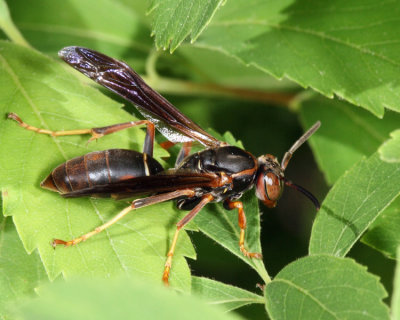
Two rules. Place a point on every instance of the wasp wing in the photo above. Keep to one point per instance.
(148, 184)
(121, 79)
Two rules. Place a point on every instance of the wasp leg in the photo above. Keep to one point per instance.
(167, 144)
(167, 268)
(95, 132)
(183, 153)
(242, 225)
(136, 204)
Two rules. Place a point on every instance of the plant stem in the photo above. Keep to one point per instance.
(151, 71)
(262, 271)
(296, 103)
(184, 87)
(181, 87)
(9, 28)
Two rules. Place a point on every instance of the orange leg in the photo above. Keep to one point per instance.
(183, 153)
(136, 204)
(167, 144)
(242, 225)
(167, 268)
(95, 132)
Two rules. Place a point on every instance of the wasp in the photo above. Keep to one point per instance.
(218, 173)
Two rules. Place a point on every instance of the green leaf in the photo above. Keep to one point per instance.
(46, 95)
(330, 46)
(226, 296)
(216, 67)
(174, 20)
(347, 134)
(222, 226)
(396, 291)
(390, 150)
(20, 273)
(352, 204)
(337, 146)
(384, 234)
(116, 299)
(107, 26)
(323, 287)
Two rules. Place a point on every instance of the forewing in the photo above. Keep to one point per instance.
(120, 78)
(148, 184)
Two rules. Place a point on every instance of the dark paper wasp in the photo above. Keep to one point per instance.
(218, 173)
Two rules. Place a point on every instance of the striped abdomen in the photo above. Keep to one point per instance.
(100, 168)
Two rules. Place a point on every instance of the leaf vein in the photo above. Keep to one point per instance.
(314, 33)
(307, 293)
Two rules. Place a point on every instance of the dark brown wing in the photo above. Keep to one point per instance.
(120, 78)
(148, 184)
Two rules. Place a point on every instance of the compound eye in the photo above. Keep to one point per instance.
(269, 189)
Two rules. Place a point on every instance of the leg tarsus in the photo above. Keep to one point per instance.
(14, 117)
(252, 255)
(26, 126)
(70, 243)
(167, 269)
(242, 225)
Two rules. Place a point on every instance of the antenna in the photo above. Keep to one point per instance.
(307, 193)
(288, 155)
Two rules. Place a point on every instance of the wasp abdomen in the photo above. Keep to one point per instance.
(100, 168)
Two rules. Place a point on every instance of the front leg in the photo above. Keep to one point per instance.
(230, 205)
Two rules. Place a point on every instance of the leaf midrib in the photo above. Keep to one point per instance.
(308, 294)
(321, 35)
